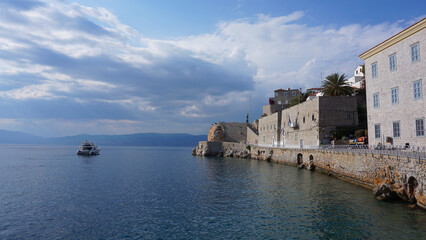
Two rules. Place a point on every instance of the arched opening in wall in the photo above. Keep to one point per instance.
(299, 159)
(311, 159)
(412, 184)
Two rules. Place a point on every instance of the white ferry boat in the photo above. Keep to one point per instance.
(88, 148)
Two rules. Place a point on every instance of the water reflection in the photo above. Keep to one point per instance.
(165, 193)
(282, 201)
(87, 159)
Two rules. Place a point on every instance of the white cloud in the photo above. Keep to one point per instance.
(229, 99)
(192, 111)
(280, 47)
(63, 61)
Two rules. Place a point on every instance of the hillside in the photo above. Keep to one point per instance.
(138, 139)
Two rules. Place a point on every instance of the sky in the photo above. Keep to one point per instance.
(131, 66)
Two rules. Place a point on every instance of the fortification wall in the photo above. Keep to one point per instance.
(400, 177)
(228, 149)
(228, 132)
(252, 137)
(404, 175)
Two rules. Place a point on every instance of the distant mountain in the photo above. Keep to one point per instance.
(9, 137)
(138, 139)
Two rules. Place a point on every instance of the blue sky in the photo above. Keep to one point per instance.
(117, 67)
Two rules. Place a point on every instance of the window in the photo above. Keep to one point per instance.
(313, 117)
(275, 127)
(279, 102)
(295, 137)
(374, 70)
(376, 100)
(263, 138)
(276, 94)
(396, 131)
(303, 119)
(392, 62)
(293, 93)
(420, 127)
(377, 131)
(285, 94)
(286, 101)
(394, 94)
(417, 87)
(415, 52)
(349, 116)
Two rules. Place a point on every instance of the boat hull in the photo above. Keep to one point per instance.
(88, 148)
(87, 153)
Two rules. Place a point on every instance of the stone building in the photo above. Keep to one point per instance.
(269, 129)
(280, 101)
(395, 74)
(308, 124)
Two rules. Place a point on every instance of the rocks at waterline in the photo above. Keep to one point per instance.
(310, 167)
(386, 192)
(217, 149)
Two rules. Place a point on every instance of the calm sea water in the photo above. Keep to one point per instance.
(165, 193)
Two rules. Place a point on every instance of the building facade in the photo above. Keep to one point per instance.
(308, 124)
(395, 86)
(269, 129)
(281, 100)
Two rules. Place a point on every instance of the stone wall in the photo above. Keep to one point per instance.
(305, 130)
(252, 136)
(308, 124)
(227, 149)
(228, 132)
(268, 127)
(404, 176)
(391, 176)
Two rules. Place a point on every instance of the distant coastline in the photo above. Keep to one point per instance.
(137, 139)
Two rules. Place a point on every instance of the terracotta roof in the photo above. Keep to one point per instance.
(286, 90)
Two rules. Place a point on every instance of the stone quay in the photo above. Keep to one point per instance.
(392, 177)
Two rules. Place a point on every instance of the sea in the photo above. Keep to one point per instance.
(48, 192)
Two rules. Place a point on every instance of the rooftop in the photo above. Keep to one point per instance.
(281, 90)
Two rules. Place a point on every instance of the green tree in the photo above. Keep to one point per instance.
(335, 85)
(300, 98)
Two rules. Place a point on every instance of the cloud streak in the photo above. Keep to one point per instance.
(66, 64)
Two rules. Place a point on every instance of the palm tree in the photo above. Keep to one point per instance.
(335, 85)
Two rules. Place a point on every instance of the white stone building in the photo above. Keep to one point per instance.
(357, 81)
(395, 83)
